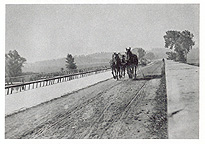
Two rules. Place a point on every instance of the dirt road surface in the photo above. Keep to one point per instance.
(124, 109)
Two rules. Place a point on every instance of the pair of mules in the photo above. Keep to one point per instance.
(117, 65)
(120, 62)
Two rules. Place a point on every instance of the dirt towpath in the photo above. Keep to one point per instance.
(110, 109)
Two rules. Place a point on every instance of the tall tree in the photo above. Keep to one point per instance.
(139, 51)
(181, 42)
(14, 63)
(150, 55)
(70, 64)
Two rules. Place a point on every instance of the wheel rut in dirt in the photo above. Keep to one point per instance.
(82, 117)
(112, 109)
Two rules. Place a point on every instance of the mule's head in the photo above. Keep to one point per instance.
(128, 53)
(114, 58)
(113, 55)
(124, 59)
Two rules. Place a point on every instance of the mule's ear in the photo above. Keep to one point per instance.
(126, 49)
(129, 48)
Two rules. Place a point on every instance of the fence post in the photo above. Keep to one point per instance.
(8, 91)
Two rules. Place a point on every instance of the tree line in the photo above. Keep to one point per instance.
(180, 42)
(14, 63)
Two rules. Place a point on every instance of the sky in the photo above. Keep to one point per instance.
(43, 32)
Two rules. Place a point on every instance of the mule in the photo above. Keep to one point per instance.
(115, 66)
(132, 63)
(122, 64)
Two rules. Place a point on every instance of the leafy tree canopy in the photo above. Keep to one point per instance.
(150, 55)
(171, 56)
(140, 52)
(14, 63)
(180, 42)
(70, 64)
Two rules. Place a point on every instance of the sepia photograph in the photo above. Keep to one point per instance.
(102, 71)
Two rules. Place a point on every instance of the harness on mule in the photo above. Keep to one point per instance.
(123, 60)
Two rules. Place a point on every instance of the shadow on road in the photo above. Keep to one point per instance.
(148, 77)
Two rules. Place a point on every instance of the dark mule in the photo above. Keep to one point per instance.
(132, 62)
(115, 66)
(122, 64)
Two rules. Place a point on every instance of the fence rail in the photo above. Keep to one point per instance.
(10, 89)
(42, 75)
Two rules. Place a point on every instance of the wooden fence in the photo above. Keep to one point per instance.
(10, 89)
(40, 76)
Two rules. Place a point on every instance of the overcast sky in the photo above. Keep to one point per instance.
(41, 32)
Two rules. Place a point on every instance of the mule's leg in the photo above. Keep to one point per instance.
(135, 67)
(129, 71)
(123, 71)
(120, 72)
(113, 74)
(116, 75)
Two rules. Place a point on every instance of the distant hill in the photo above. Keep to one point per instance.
(82, 61)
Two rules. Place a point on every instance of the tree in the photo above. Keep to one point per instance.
(70, 64)
(62, 71)
(181, 42)
(14, 63)
(150, 55)
(171, 56)
(140, 52)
